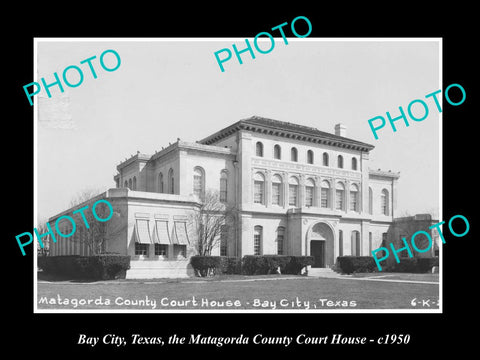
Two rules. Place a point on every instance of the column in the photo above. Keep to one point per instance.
(347, 196)
(318, 192)
(333, 192)
(268, 188)
(301, 191)
(285, 190)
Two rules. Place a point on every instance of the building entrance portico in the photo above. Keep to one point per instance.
(320, 244)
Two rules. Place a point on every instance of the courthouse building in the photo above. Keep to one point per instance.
(297, 191)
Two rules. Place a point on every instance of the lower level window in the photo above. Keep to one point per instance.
(180, 250)
(161, 250)
(141, 249)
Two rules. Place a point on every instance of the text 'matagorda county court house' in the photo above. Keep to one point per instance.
(298, 191)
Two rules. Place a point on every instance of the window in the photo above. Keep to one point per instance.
(354, 197)
(310, 157)
(126, 184)
(340, 161)
(134, 184)
(277, 152)
(223, 240)
(356, 248)
(370, 243)
(340, 243)
(384, 202)
(325, 159)
(141, 249)
(198, 182)
(130, 184)
(223, 186)
(276, 190)
(325, 186)
(280, 239)
(354, 163)
(292, 191)
(160, 183)
(257, 240)
(259, 149)
(179, 251)
(161, 250)
(309, 192)
(294, 154)
(171, 181)
(339, 196)
(370, 201)
(258, 188)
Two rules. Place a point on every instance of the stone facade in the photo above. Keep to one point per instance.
(297, 191)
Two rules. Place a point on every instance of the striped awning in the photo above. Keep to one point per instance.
(143, 232)
(180, 236)
(162, 235)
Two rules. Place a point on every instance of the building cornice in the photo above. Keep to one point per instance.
(287, 130)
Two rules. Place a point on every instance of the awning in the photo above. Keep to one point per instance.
(162, 235)
(142, 232)
(180, 236)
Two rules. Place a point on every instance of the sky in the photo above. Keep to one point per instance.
(173, 88)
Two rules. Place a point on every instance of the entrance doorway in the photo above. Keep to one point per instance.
(317, 250)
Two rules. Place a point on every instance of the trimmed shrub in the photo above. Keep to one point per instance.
(230, 265)
(206, 265)
(352, 264)
(98, 267)
(270, 264)
(297, 263)
(413, 265)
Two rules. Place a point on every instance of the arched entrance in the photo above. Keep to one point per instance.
(320, 240)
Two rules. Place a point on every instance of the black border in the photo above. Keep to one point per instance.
(56, 334)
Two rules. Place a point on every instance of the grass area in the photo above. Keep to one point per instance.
(271, 292)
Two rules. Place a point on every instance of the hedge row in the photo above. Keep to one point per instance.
(249, 264)
(413, 265)
(99, 267)
(351, 264)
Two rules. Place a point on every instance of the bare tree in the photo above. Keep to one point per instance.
(42, 229)
(208, 221)
(99, 233)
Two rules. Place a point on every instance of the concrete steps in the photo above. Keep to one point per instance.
(322, 272)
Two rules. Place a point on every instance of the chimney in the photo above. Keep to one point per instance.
(341, 130)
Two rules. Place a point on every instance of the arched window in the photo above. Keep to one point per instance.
(325, 159)
(130, 184)
(356, 247)
(384, 202)
(340, 161)
(160, 183)
(277, 190)
(134, 184)
(340, 243)
(223, 240)
(126, 184)
(309, 192)
(310, 157)
(171, 181)
(280, 239)
(259, 149)
(339, 196)
(354, 163)
(370, 201)
(325, 196)
(277, 152)
(294, 154)
(198, 182)
(354, 197)
(257, 240)
(223, 185)
(292, 191)
(259, 188)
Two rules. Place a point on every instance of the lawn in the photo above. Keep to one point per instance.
(243, 292)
